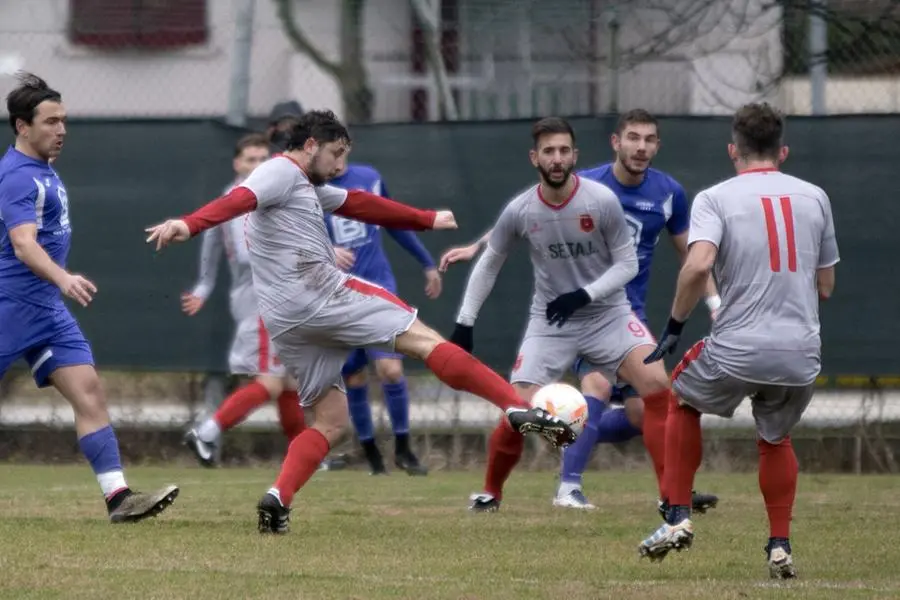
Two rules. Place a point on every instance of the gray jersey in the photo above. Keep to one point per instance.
(228, 238)
(571, 245)
(291, 255)
(773, 232)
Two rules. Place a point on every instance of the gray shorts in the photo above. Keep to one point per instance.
(252, 352)
(548, 352)
(700, 383)
(358, 315)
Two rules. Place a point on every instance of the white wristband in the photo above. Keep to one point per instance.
(713, 302)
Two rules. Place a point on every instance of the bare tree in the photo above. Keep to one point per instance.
(350, 71)
(428, 12)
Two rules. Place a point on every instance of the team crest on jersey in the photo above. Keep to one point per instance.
(518, 364)
(587, 223)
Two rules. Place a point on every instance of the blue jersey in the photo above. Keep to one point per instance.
(658, 203)
(364, 239)
(32, 192)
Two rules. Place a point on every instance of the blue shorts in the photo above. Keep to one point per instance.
(620, 393)
(47, 338)
(359, 359)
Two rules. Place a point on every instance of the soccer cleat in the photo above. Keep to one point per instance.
(374, 458)
(538, 420)
(205, 452)
(409, 463)
(273, 516)
(700, 503)
(668, 537)
(780, 561)
(484, 503)
(574, 499)
(333, 463)
(136, 506)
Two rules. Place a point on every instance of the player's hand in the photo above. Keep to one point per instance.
(344, 258)
(559, 310)
(433, 283)
(667, 341)
(463, 336)
(458, 254)
(173, 230)
(78, 288)
(713, 303)
(444, 219)
(191, 304)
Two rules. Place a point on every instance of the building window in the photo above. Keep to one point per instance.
(122, 24)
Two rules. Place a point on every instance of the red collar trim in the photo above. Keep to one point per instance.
(302, 170)
(566, 201)
(759, 170)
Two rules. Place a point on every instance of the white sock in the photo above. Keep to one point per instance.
(566, 488)
(209, 431)
(276, 493)
(111, 481)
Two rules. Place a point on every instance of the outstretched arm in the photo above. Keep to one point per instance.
(369, 208)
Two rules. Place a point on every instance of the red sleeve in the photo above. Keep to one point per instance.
(237, 202)
(369, 208)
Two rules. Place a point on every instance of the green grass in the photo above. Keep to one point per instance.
(354, 536)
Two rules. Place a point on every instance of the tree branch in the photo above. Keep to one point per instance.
(301, 42)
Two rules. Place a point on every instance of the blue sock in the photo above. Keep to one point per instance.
(614, 427)
(576, 456)
(396, 400)
(101, 449)
(361, 412)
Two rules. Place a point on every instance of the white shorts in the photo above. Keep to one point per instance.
(252, 352)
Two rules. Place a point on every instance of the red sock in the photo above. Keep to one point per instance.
(304, 455)
(290, 414)
(656, 407)
(684, 452)
(238, 405)
(462, 371)
(778, 483)
(504, 450)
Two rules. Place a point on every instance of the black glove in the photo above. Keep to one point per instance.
(559, 310)
(463, 337)
(667, 341)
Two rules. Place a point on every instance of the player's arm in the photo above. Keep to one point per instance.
(711, 293)
(410, 242)
(828, 254)
(370, 208)
(211, 250)
(677, 226)
(463, 253)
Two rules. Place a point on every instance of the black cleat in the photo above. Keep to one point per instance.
(700, 503)
(780, 559)
(131, 507)
(484, 503)
(409, 463)
(273, 516)
(374, 458)
(538, 420)
(205, 452)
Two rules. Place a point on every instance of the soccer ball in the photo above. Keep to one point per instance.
(565, 402)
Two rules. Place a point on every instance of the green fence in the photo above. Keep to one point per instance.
(124, 175)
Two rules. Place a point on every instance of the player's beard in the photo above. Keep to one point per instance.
(554, 183)
(636, 171)
(313, 174)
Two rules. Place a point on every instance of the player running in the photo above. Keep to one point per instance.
(770, 239)
(359, 251)
(35, 236)
(583, 255)
(316, 313)
(251, 352)
(653, 201)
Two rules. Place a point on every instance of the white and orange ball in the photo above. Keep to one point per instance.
(565, 402)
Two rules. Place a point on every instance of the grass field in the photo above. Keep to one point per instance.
(355, 536)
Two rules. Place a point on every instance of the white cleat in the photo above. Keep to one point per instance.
(781, 565)
(668, 537)
(574, 499)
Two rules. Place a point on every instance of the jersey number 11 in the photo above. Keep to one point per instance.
(772, 229)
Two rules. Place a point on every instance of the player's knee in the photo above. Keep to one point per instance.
(634, 411)
(389, 370)
(653, 379)
(273, 385)
(89, 400)
(356, 380)
(418, 341)
(331, 416)
(596, 385)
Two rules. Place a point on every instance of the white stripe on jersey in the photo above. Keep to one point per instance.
(39, 203)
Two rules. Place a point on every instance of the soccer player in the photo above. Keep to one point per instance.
(769, 237)
(653, 201)
(316, 313)
(359, 251)
(35, 324)
(251, 352)
(583, 255)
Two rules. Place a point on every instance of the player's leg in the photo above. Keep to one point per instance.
(290, 413)
(777, 410)
(389, 368)
(66, 362)
(357, 382)
(699, 387)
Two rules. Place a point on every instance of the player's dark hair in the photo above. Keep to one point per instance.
(321, 125)
(22, 102)
(758, 131)
(635, 116)
(549, 126)
(251, 140)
